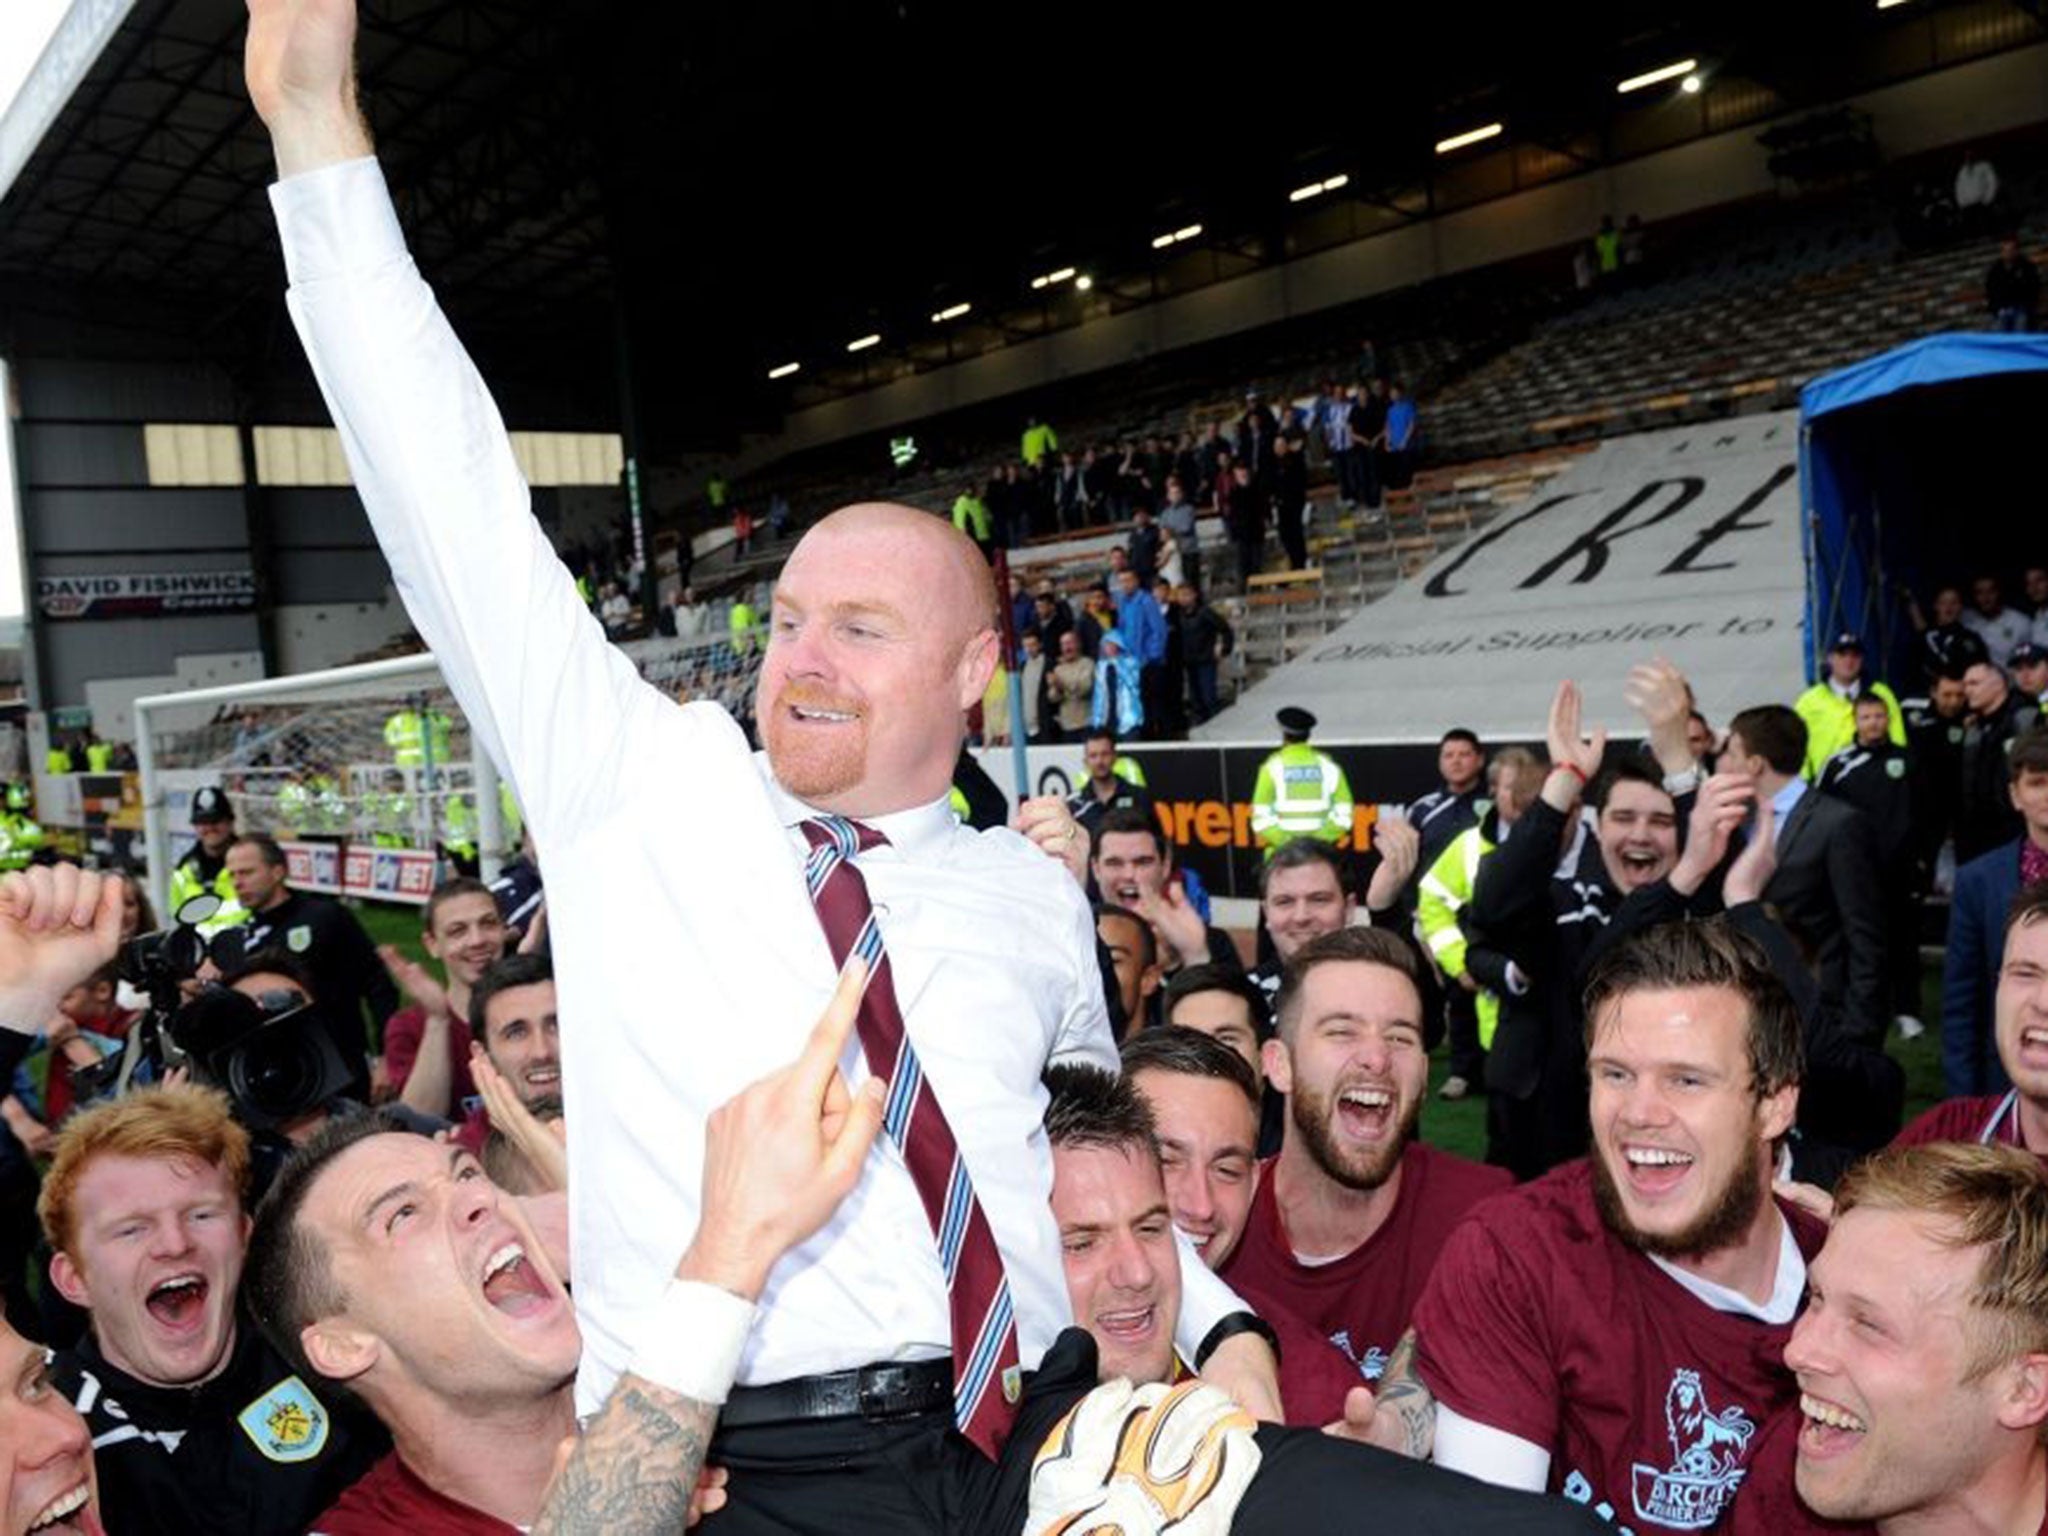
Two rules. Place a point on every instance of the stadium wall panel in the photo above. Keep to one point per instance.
(55, 453)
(110, 524)
(71, 390)
(117, 648)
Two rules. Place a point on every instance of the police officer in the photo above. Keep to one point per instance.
(203, 870)
(1874, 774)
(310, 803)
(459, 832)
(391, 812)
(1300, 792)
(1829, 706)
(1516, 776)
(413, 736)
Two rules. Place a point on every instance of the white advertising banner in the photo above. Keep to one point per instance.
(1683, 544)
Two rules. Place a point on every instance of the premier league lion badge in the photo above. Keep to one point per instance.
(1707, 1453)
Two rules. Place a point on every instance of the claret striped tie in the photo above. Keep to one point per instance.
(985, 1375)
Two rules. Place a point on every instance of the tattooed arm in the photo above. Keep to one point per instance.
(1410, 1404)
(636, 1468)
(1400, 1416)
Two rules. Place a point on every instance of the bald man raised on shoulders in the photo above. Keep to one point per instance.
(666, 836)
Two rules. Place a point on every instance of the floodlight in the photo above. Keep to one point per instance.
(1472, 136)
(1658, 75)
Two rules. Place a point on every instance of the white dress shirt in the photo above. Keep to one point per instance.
(690, 959)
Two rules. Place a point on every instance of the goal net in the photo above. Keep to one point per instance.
(369, 776)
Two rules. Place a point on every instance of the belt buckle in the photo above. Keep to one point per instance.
(888, 1392)
(879, 1391)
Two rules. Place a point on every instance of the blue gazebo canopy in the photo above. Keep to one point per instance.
(1911, 463)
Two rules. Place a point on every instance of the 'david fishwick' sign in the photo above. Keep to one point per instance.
(145, 595)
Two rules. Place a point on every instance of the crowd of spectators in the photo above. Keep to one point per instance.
(1156, 1237)
(1250, 470)
(1709, 926)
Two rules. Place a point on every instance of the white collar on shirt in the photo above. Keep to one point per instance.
(916, 834)
(1782, 1305)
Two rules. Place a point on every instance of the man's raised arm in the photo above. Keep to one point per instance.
(430, 457)
(300, 66)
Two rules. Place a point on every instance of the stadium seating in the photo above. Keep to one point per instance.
(1735, 312)
(1739, 330)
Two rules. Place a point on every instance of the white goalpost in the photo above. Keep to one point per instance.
(368, 775)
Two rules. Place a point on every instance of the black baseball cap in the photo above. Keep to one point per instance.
(1847, 640)
(211, 804)
(1296, 721)
(2028, 654)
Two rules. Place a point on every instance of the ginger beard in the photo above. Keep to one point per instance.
(817, 741)
(880, 640)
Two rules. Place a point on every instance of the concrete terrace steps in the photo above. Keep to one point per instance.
(1360, 558)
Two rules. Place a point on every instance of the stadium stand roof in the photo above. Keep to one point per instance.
(723, 186)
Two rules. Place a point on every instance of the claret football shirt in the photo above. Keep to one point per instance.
(1541, 1323)
(1365, 1300)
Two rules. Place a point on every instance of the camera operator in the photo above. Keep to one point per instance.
(325, 936)
(200, 1425)
(261, 1035)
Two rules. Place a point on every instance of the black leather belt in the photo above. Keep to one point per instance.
(872, 1392)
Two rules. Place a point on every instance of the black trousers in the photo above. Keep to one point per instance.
(1251, 556)
(1461, 1018)
(907, 1475)
(1292, 539)
(830, 1476)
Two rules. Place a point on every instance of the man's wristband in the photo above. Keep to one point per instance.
(1575, 771)
(690, 1341)
(1229, 1328)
